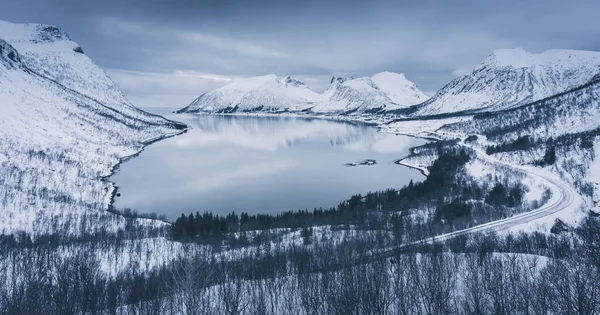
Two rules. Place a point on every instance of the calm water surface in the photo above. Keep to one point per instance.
(260, 165)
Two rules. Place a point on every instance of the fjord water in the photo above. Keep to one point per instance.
(260, 165)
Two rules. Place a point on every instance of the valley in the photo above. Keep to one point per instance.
(242, 202)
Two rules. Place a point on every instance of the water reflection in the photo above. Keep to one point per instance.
(260, 164)
(273, 133)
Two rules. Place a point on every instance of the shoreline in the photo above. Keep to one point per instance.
(114, 188)
(421, 170)
(411, 154)
(345, 119)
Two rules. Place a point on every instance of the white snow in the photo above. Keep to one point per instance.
(520, 58)
(269, 93)
(512, 77)
(399, 89)
(384, 91)
(422, 128)
(64, 125)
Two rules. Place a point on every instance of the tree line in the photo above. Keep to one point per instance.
(476, 274)
(355, 210)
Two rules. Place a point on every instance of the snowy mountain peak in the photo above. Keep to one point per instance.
(516, 57)
(33, 33)
(266, 93)
(388, 75)
(288, 80)
(398, 88)
(49, 33)
(520, 58)
(511, 77)
(50, 52)
(382, 92)
(348, 96)
(339, 80)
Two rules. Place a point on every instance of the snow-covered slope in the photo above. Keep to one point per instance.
(512, 77)
(50, 52)
(264, 93)
(63, 126)
(567, 124)
(575, 111)
(399, 89)
(349, 96)
(384, 91)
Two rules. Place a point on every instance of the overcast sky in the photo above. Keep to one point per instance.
(167, 52)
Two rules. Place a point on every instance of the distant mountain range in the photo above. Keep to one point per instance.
(382, 92)
(505, 79)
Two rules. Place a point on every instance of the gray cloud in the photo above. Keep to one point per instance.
(168, 52)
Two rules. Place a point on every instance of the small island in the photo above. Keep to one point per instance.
(364, 162)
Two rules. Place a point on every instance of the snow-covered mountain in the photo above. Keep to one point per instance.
(63, 126)
(574, 112)
(398, 88)
(264, 93)
(564, 127)
(381, 92)
(512, 77)
(48, 51)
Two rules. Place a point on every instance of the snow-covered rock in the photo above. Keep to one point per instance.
(382, 92)
(63, 126)
(257, 94)
(513, 77)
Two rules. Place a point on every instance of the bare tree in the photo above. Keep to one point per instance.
(232, 292)
(574, 286)
(311, 293)
(376, 292)
(189, 287)
(474, 297)
(435, 278)
(403, 291)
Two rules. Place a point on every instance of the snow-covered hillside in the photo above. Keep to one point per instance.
(381, 92)
(264, 93)
(64, 126)
(559, 134)
(576, 111)
(398, 88)
(512, 77)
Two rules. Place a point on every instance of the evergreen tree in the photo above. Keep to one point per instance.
(550, 156)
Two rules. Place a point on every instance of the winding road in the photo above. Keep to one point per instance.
(563, 198)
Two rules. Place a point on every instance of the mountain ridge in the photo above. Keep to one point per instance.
(513, 77)
(344, 96)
